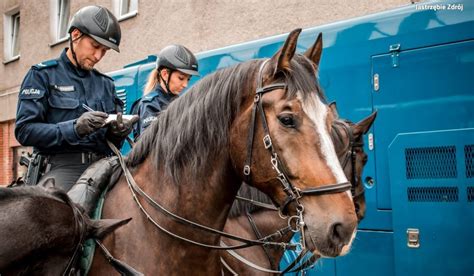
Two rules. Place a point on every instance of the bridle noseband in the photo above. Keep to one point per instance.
(293, 193)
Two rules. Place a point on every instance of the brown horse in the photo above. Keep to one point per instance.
(42, 231)
(192, 160)
(253, 222)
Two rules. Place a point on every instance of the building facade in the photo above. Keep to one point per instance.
(34, 31)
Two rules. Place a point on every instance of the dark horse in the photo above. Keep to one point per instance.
(194, 157)
(42, 231)
(252, 221)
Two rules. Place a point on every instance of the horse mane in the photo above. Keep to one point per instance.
(240, 207)
(195, 128)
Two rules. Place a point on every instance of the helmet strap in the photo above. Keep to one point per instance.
(167, 81)
(72, 49)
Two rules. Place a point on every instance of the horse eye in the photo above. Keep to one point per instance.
(287, 120)
(364, 159)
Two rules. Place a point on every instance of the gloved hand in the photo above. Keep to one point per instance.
(120, 128)
(89, 122)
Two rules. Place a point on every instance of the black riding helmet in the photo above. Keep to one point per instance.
(178, 57)
(98, 23)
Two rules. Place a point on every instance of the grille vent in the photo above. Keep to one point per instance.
(101, 19)
(469, 155)
(122, 94)
(433, 194)
(470, 194)
(431, 162)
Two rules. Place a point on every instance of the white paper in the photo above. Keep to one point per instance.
(113, 117)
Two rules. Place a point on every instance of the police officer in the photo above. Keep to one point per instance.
(174, 67)
(54, 96)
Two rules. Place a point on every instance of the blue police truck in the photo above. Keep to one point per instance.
(415, 65)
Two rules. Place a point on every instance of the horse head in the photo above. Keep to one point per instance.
(349, 137)
(297, 165)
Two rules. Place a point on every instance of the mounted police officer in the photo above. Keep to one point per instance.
(54, 96)
(175, 66)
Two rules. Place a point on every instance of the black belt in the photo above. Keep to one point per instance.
(74, 157)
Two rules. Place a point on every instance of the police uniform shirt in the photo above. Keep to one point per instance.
(148, 108)
(50, 100)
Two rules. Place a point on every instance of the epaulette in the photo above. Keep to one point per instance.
(149, 97)
(102, 74)
(46, 64)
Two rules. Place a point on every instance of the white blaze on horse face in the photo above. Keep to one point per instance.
(317, 112)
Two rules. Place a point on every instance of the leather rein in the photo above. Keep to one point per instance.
(80, 228)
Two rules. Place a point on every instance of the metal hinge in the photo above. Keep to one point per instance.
(395, 53)
(413, 238)
(370, 139)
(376, 82)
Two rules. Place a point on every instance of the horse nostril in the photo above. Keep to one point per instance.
(336, 233)
(340, 235)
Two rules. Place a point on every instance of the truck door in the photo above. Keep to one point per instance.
(424, 141)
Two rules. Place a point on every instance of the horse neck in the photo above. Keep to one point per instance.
(50, 229)
(205, 200)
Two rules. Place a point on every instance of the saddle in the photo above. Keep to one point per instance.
(98, 177)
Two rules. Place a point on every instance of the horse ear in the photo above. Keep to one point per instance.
(102, 227)
(333, 108)
(283, 57)
(315, 51)
(363, 126)
(48, 183)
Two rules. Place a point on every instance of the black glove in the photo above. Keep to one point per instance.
(89, 122)
(120, 128)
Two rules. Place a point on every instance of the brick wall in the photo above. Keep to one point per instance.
(7, 145)
(6, 153)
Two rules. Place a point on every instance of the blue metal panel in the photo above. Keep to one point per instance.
(372, 254)
(430, 183)
(431, 89)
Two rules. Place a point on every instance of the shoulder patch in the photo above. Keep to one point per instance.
(46, 64)
(102, 74)
(31, 93)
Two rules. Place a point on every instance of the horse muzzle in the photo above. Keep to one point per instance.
(333, 240)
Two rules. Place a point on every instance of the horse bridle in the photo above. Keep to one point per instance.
(350, 153)
(293, 193)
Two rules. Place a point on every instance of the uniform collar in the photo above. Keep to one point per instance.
(161, 93)
(70, 65)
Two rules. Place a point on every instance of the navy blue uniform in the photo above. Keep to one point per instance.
(49, 102)
(148, 108)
